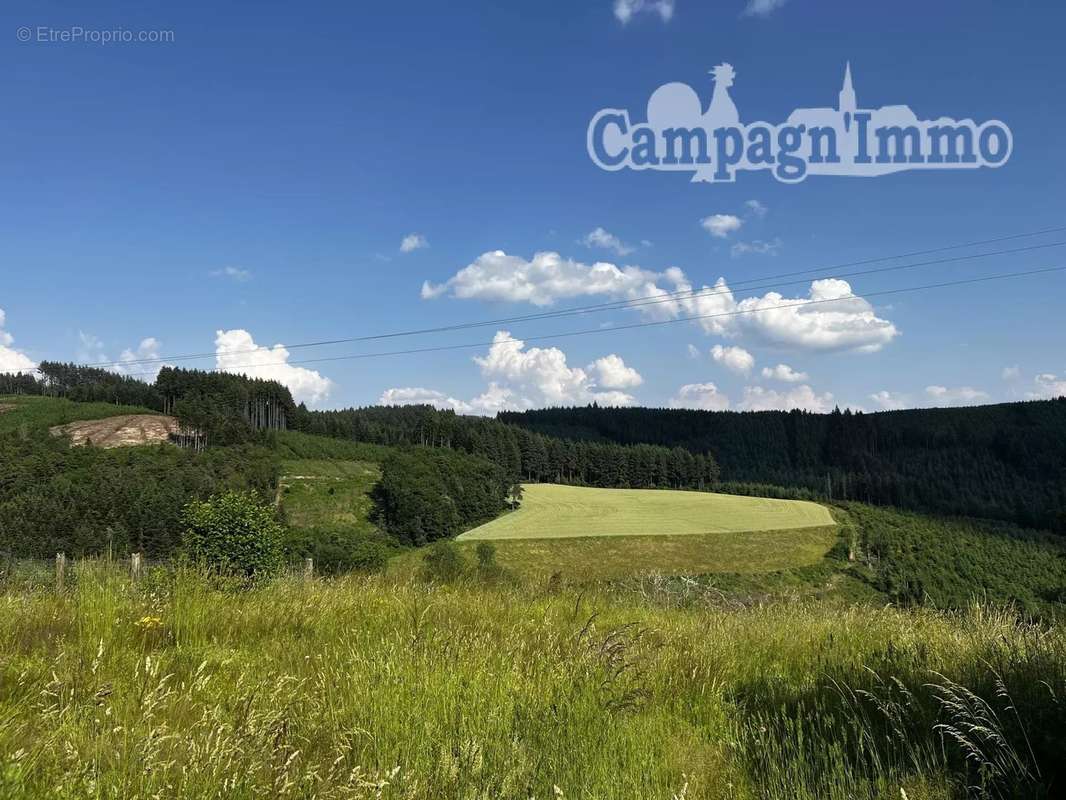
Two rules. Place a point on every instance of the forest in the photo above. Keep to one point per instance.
(1005, 461)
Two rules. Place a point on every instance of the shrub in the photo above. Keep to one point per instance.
(444, 562)
(234, 533)
(337, 550)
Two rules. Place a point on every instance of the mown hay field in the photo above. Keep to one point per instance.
(550, 511)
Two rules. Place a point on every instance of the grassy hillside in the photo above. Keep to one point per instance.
(364, 688)
(322, 492)
(554, 511)
(40, 413)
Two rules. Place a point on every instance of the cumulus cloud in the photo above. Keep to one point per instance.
(830, 317)
(1048, 385)
(520, 377)
(758, 398)
(693, 351)
(756, 208)
(91, 350)
(784, 373)
(132, 360)
(412, 242)
(762, 8)
(736, 359)
(890, 401)
(758, 246)
(611, 372)
(625, 10)
(235, 274)
(703, 396)
(12, 360)
(957, 396)
(1011, 373)
(606, 241)
(237, 352)
(721, 225)
(543, 280)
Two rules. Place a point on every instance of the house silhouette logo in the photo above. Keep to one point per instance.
(713, 144)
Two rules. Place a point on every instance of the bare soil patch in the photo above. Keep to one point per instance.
(6, 407)
(121, 431)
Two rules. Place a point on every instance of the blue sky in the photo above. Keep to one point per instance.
(251, 182)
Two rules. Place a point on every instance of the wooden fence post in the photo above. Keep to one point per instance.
(61, 570)
(136, 565)
(309, 568)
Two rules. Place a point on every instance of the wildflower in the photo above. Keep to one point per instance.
(149, 623)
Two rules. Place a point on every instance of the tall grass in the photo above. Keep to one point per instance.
(374, 687)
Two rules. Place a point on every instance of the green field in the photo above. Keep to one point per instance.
(551, 511)
(33, 413)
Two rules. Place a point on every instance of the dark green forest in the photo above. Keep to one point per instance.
(523, 454)
(1004, 461)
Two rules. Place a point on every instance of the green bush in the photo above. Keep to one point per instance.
(443, 562)
(234, 533)
(337, 550)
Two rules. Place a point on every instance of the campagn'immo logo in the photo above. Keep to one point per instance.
(680, 136)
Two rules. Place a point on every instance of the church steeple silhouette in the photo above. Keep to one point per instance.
(847, 103)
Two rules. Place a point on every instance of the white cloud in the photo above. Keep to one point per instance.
(704, 396)
(546, 278)
(736, 359)
(147, 350)
(12, 360)
(762, 8)
(612, 373)
(606, 241)
(1047, 386)
(625, 10)
(829, 318)
(756, 208)
(693, 351)
(520, 378)
(542, 374)
(237, 352)
(235, 274)
(785, 373)
(957, 396)
(757, 398)
(721, 225)
(890, 401)
(412, 242)
(758, 246)
(1011, 373)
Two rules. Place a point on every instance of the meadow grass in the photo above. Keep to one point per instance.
(317, 492)
(556, 511)
(370, 687)
(33, 413)
(607, 557)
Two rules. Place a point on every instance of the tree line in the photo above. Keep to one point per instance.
(524, 455)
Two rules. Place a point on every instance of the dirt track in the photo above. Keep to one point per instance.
(122, 431)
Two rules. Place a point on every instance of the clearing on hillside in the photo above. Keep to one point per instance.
(551, 511)
(120, 431)
(320, 492)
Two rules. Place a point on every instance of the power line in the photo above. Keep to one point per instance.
(636, 325)
(681, 295)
